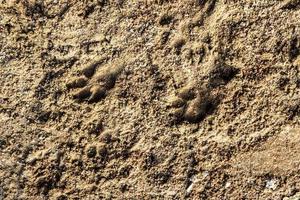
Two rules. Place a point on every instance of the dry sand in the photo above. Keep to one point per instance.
(149, 99)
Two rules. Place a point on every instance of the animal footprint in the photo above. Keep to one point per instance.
(194, 103)
(92, 86)
(191, 104)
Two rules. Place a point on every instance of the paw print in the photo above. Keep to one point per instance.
(93, 85)
(191, 104)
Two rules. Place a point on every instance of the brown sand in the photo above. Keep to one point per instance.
(149, 99)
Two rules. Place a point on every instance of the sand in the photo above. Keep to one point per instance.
(149, 99)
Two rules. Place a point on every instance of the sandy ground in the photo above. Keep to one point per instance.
(157, 99)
